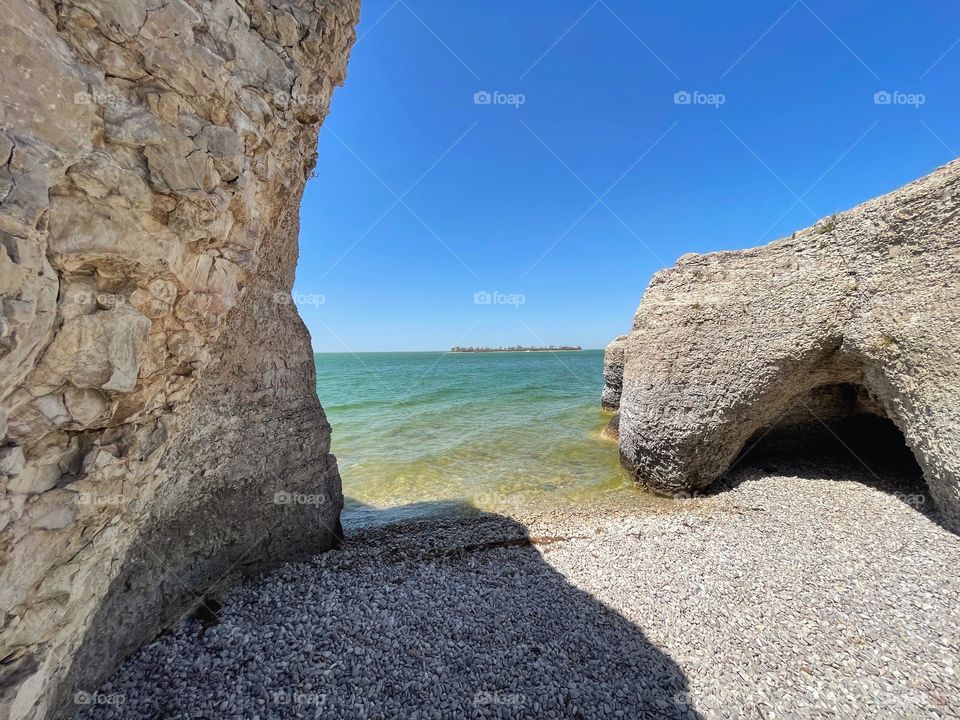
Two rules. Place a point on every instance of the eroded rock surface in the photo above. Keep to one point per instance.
(613, 385)
(161, 433)
(613, 374)
(858, 314)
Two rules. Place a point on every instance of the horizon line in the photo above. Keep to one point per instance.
(448, 351)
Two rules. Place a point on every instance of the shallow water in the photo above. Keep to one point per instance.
(503, 432)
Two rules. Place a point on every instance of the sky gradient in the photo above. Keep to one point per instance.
(625, 134)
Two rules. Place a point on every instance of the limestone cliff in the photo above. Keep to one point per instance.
(858, 314)
(161, 433)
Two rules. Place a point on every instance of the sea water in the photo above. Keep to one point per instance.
(505, 432)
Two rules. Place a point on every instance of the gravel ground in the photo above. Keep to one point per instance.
(790, 594)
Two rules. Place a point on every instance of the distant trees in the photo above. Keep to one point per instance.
(515, 348)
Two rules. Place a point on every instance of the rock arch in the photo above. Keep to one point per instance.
(157, 391)
(724, 344)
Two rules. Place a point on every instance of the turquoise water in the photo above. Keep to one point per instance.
(498, 431)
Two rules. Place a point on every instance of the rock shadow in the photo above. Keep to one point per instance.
(865, 448)
(453, 616)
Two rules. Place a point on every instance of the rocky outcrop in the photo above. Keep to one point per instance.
(613, 373)
(858, 314)
(613, 385)
(161, 433)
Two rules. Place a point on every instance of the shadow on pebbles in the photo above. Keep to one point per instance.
(785, 594)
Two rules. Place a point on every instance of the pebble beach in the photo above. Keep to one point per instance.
(789, 592)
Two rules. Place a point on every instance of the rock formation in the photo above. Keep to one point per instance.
(613, 385)
(161, 433)
(858, 314)
(613, 374)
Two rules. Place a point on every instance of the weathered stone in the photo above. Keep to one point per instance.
(149, 192)
(130, 124)
(12, 274)
(6, 148)
(49, 459)
(80, 226)
(613, 385)
(857, 314)
(52, 408)
(181, 168)
(225, 148)
(22, 251)
(11, 460)
(100, 350)
(103, 176)
(87, 407)
(613, 374)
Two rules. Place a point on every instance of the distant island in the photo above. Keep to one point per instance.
(516, 348)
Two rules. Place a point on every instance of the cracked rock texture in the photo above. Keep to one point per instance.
(613, 373)
(855, 315)
(613, 384)
(161, 433)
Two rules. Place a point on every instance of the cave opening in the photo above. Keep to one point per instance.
(841, 431)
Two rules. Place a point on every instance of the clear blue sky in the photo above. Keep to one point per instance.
(504, 197)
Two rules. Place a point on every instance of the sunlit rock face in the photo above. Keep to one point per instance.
(613, 385)
(161, 433)
(613, 374)
(859, 314)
